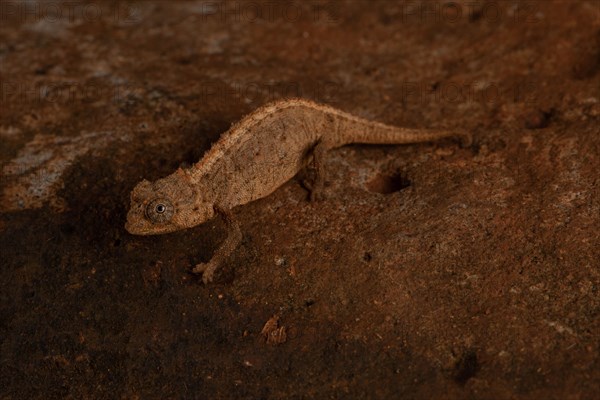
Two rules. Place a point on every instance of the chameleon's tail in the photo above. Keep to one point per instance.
(358, 130)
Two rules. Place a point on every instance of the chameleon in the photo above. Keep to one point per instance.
(251, 160)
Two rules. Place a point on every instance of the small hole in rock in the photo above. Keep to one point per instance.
(367, 257)
(466, 367)
(387, 184)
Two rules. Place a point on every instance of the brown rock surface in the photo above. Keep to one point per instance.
(429, 272)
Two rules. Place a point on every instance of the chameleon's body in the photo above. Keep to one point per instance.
(251, 160)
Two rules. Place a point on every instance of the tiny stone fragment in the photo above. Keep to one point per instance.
(272, 332)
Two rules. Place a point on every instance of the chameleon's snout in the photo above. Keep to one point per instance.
(133, 225)
(130, 228)
(136, 223)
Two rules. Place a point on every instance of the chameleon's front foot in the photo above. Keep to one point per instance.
(234, 238)
(207, 270)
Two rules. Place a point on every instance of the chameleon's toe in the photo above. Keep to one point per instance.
(317, 194)
(199, 268)
(207, 270)
(207, 276)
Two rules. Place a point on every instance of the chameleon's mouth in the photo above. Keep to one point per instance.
(147, 229)
(137, 228)
(133, 228)
(136, 224)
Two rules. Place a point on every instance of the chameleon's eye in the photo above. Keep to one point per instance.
(160, 210)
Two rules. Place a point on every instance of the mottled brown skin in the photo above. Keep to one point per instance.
(250, 161)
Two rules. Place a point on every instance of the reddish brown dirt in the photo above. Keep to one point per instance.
(430, 271)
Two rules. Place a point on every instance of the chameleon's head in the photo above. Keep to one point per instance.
(167, 205)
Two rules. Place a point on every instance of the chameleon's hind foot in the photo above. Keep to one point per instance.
(317, 193)
(315, 182)
(315, 188)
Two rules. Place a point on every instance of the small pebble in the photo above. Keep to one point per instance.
(536, 119)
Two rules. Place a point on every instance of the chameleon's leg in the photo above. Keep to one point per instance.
(316, 187)
(234, 237)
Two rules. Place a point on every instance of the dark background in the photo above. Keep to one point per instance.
(430, 271)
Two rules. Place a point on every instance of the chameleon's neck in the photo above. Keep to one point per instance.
(204, 180)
